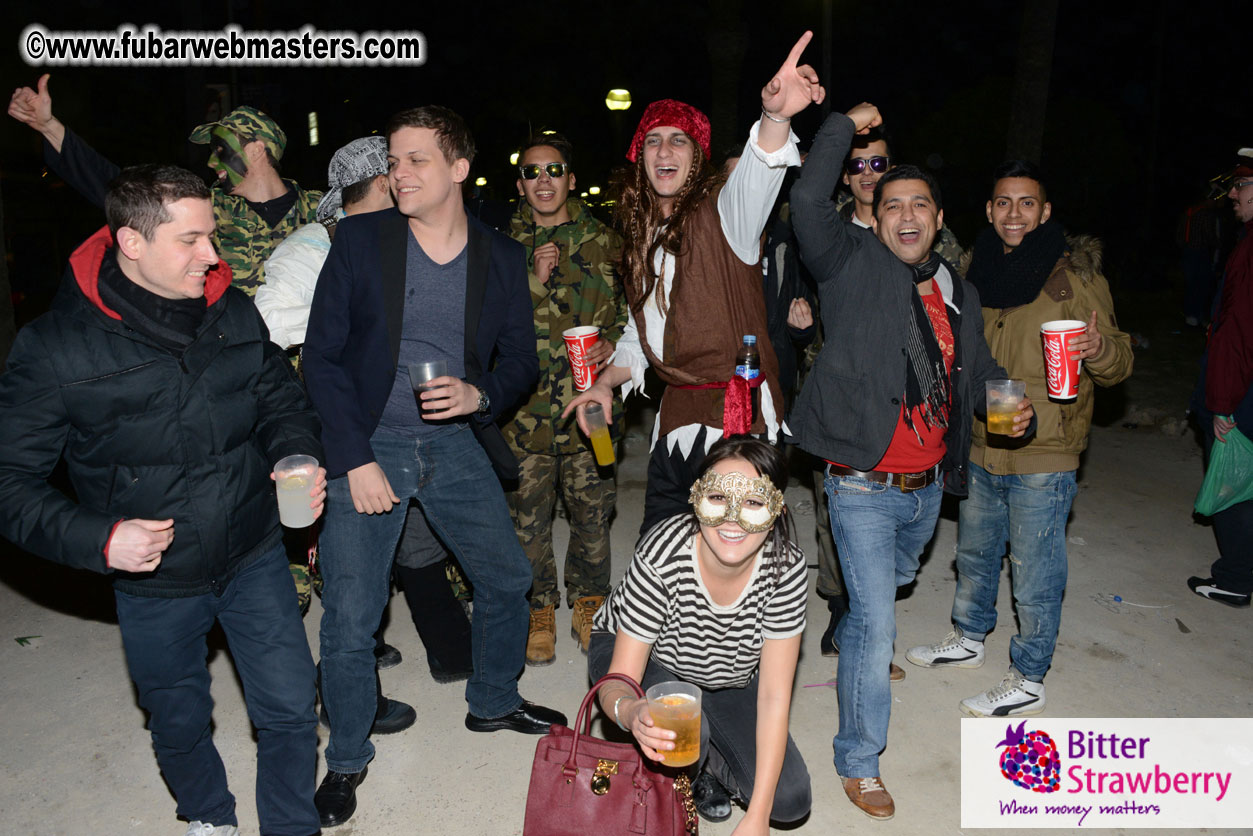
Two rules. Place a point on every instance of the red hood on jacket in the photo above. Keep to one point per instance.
(86, 260)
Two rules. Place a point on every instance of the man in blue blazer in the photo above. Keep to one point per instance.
(423, 282)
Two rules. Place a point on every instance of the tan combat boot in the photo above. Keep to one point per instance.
(581, 619)
(541, 642)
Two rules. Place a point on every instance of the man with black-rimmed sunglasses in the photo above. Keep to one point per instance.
(570, 265)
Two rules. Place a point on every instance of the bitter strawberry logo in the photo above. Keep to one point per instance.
(1030, 759)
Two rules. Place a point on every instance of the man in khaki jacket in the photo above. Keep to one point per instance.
(1027, 273)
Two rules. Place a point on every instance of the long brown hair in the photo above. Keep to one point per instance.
(637, 214)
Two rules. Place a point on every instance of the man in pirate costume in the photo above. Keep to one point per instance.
(691, 271)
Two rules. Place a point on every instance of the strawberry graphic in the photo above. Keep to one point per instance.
(1030, 759)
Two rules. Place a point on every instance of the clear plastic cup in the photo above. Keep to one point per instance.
(293, 480)
(1003, 399)
(598, 434)
(676, 706)
(420, 374)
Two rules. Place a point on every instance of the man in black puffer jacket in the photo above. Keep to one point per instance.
(159, 386)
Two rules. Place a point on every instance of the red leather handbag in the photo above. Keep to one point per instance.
(582, 785)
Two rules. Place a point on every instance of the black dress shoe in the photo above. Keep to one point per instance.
(386, 656)
(336, 798)
(395, 717)
(837, 608)
(527, 718)
(712, 800)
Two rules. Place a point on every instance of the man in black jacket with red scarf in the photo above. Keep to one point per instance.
(888, 406)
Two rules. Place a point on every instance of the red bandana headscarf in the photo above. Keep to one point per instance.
(675, 114)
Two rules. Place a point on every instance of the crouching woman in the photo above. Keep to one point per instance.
(716, 598)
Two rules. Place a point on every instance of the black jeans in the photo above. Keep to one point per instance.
(728, 733)
(670, 479)
(1233, 529)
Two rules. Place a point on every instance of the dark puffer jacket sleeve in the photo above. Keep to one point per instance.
(34, 426)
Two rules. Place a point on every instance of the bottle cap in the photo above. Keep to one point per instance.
(750, 339)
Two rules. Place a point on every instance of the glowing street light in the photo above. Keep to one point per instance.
(618, 99)
(513, 158)
(593, 190)
(482, 181)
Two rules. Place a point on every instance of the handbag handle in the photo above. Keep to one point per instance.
(583, 722)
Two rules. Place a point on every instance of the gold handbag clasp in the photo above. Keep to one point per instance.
(600, 778)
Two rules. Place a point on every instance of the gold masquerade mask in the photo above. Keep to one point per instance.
(753, 504)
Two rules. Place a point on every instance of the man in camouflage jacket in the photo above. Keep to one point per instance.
(253, 206)
(571, 258)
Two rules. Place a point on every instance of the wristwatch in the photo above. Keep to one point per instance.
(485, 403)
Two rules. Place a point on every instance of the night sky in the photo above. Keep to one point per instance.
(1147, 100)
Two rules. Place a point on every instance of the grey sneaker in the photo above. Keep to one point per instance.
(955, 651)
(199, 828)
(1014, 695)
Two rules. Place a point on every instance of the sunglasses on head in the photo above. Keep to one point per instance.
(531, 171)
(857, 165)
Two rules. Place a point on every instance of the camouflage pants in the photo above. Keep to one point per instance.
(589, 502)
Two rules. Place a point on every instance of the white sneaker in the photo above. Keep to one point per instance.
(199, 828)
(955, 651)
(1014, 695)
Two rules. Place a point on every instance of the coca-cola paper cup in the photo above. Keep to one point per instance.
(578, 341)
(1061, 365)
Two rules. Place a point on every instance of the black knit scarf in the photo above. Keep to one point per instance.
(1009, 279)
(171, 323)
(927, 385)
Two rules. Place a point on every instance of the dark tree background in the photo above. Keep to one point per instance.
(1130, 107)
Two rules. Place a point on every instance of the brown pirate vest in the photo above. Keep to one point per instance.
(714, 301)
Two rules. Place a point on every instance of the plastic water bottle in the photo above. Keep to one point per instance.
(748, 362)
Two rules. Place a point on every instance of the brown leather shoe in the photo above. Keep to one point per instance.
(895, 672)
(581, 619)
(541, 641)
(870, 796)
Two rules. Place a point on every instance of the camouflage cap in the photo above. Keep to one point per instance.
(249, 123)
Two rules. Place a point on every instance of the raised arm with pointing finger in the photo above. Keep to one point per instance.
(690, 269)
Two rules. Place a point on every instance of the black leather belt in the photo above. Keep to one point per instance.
(905, 482)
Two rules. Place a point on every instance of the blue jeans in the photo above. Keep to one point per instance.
(165, 647)
(1029, 512)
(879, 533)
(451, 478)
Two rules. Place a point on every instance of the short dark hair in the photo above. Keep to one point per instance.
(358, 191)
(553, 140)
(451, 132)
(137, 196)
(907, 172)
(1020, 168)
(875, 134)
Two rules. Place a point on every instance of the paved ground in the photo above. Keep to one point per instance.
(77, 758)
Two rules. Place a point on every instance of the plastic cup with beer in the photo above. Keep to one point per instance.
(1003, 399)
(676, 706)
(598, 434)
(578, 341)
(1061, 365)
(293, 479)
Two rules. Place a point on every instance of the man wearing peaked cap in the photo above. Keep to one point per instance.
(253, 206)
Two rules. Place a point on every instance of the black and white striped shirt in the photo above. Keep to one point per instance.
(662, 601)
